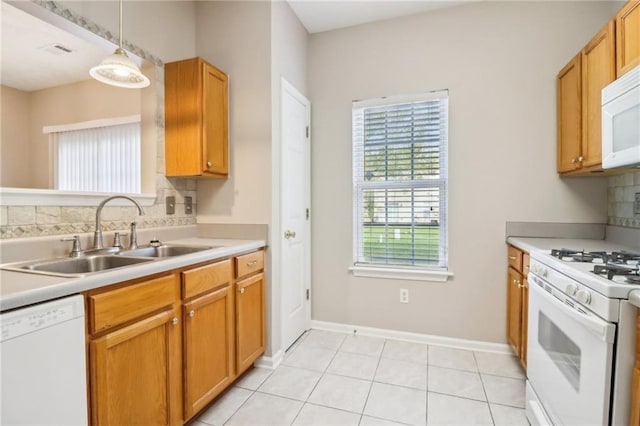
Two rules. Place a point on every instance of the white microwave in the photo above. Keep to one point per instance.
(621, 122)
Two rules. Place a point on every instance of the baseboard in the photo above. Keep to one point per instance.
(271, 362)
(472, 345)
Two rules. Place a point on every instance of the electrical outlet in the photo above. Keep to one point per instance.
(636, 204)
(404, 295)
(170, 204)
(188, 205)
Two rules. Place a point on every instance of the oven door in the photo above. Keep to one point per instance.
(570, 358)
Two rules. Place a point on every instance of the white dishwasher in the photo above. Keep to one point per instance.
(42, 359)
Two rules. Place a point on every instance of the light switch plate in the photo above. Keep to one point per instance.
(636, 204)
(171, 204)
(188, 205)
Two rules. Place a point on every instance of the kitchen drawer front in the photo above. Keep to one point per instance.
(515, 258)
(249, 263)
(126, 303)
(208, 277)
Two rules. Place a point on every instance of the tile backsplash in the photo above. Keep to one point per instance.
(621, 197)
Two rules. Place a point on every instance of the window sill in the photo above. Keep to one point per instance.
(401, 274)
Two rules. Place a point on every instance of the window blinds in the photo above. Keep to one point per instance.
(101, 159)
(400, 181)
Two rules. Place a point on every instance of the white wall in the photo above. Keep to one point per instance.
(235, 37)
(499, 61)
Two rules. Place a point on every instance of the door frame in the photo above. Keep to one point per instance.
(288, 88)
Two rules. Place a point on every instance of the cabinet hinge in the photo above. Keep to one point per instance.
(307, 215)
(307, 294)
(307, 132)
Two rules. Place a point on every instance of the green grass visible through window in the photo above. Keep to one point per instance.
(398, 244)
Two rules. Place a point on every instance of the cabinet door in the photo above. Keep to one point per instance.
(635, 398)
(249, 321)
(598, 70)
(208, 346)
(628, 37)
(524, 323)
(569, 88)
(514, 309)
(215, 155)
(135, 373)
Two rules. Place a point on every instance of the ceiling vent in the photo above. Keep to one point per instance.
(56, 49)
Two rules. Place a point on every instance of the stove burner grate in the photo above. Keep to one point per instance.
(631, 272)
(580, 256)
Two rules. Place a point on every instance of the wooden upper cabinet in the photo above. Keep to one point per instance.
(569, 99)
(580, 85)
(598, 70)
(196, 119)
(628, 37)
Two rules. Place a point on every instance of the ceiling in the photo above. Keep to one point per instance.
(30, 58)
(326, 15)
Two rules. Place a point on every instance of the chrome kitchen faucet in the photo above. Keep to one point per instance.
(97, 235)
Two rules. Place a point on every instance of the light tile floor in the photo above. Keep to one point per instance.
(331, 378)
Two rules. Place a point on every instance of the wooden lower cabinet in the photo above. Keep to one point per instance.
(135, 373)
(514, 309)
(161, 348)
(208, 348)
(249, 321)
(518, 302)
(634, 418)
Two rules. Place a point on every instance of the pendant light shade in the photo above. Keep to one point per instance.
(118, 70)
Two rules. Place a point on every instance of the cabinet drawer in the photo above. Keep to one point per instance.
(126, 303)
(249, 263)
(515, 258)
(208, 277)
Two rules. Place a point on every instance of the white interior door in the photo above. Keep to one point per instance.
(295, 200)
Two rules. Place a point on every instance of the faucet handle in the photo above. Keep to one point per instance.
(116, 239)
(76, 250)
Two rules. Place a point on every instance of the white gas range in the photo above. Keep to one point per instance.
(581, 335)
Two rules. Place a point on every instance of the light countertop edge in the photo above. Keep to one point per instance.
(18, 289)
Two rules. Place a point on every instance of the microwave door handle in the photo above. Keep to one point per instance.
(602, 329)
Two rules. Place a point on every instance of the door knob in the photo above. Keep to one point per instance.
(289, 234)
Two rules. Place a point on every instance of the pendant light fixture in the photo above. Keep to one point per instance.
(118, 70)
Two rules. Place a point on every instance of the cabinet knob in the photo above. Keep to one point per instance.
(209, 164)
(174, 321)
(192, 313)
(252, 264)
(574, 160)
(242, 290)
(580, 159)
(512, 258)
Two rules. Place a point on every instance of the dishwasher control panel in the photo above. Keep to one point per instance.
(34, 318)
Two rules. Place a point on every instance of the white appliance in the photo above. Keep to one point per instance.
(621, 121)
(42, 359)
(581, 337)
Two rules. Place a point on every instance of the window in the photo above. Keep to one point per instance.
(400, 181)
(101, 156)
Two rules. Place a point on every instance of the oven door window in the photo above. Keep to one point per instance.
(561, 349)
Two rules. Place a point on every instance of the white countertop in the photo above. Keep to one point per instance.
(19, 289)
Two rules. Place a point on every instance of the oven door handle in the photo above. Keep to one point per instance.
(600, 328)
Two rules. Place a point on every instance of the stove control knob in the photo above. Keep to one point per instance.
(583, 296)
(545, 272)
(571, 289)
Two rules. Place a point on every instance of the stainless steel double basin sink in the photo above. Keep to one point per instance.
(104, 260)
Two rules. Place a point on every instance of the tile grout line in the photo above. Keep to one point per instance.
(484, 390)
